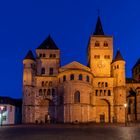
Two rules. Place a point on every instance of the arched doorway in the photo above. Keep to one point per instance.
(103, 111)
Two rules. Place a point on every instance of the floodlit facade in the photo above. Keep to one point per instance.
(75, 92)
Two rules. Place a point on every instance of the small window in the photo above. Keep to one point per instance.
(3, 118)
(43, 84)
(80, 77)
(72, 77)
(53, 92)
(109, 93)
(44, 55)
(77, 97)
(117, 66)
(44, 91)
(40, 92)
(64, 78)
(51, 55)
(104, 92)
(105, 44)
(99, 84)
(87, 78)
(51, 71)
(97, 44)
(5, 108)
(49, 92)
(43, 71)
(54, 55)
(106, 84)
(40, 55)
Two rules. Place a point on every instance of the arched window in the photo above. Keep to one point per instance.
(87, 78)
(42, 83)
(105, 44)
(64, 78)
(106, 84)
(53, 92)
(40, 92)
(77, 97)
(80, 77)
(72, 77)
(49, 92)
(109, 93)
(96, 93)
(97, 44)
(99, 84)
(43, 71)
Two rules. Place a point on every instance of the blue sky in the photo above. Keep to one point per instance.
(24, 24)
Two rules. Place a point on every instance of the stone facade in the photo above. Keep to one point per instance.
(74, 92)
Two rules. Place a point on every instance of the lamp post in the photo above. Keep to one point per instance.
(125, 105)
(1, 109)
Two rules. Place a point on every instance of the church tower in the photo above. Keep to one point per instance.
(118, 73)
(100, 52)
(48, 58)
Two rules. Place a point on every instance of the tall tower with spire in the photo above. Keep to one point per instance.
(100, 51)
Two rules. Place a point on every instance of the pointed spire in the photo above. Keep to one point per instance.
(98, 29)
(48, 43)
(29, 55)
(118, 56)
(137, 63)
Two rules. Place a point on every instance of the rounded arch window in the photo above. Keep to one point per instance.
(43, 71)
(80, 77)
(105, 44)
(87, 78)
(64, 78)
(97, 44)
(72, 77)
(77, 97)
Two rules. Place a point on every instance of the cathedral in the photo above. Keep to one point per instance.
(77, 93)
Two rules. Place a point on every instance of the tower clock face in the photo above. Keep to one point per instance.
(101, 64)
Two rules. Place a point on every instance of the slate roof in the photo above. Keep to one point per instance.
(131, 80)
(10, 101)
(98, 29)
(137, 63)
(29, 55)
(48, 43)
(118, 56)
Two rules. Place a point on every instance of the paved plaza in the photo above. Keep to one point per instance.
(70, 132)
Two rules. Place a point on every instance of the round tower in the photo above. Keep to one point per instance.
(29, 69)
(119, 89)
(118, 70)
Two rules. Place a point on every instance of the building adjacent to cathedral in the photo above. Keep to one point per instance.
(74, 92)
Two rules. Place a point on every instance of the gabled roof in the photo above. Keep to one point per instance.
(118, 57)
(137, 63)
(74, 65)
(98, 29)
(10, 101)
(29, 55)
(131, 80)
(48, 43)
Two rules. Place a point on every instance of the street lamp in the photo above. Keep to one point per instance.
(1, 109)
(125, 105)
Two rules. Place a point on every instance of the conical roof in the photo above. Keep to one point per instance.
(137, 63)
(98, 29)
(48, 43)
(29, 55)
(118, 56)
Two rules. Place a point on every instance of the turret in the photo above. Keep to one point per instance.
(48, 58)
(29, 69)
(118, 69)
(118, 74)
